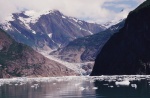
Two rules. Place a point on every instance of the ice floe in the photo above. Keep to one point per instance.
(118, 80)
(81, 88)
(134, 86)
(125, 82)
(95, 88)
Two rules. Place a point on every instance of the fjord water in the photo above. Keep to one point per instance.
(75, 87)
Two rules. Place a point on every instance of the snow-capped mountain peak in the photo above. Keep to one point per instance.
(111, 23)
(50, 28)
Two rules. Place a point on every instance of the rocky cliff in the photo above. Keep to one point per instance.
(17, 60)
(127, 52)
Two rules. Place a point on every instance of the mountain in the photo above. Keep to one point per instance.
(47, 29)
(111, 23)
(86, 48)
(127, 52)
(17, 60)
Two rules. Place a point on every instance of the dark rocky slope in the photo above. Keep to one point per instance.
(128, 51)
(86, 48)
(17, 60)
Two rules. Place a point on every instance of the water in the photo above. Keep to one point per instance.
(76, 87)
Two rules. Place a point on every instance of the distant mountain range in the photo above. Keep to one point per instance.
(71, 40)
(19, 60)
(128, 51)
(85, 49)
(47, 29)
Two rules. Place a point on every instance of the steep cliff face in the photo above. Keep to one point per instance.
(86, 48)
(127, 52)
(18, 60)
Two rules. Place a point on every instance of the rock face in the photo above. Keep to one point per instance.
(17, 60)
(86, 48)
(127, 52)
(49, 29)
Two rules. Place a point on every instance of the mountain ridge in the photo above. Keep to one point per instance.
(49, 29)
(86, 48)
(18, 60)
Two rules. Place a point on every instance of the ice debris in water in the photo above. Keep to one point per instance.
(119, 80)
(125, 82)
(77, 84)
(95, 88)
(54, 83)
(111, 86)
(81, 88)
(35, 86)
(134, 86)
(16, 84)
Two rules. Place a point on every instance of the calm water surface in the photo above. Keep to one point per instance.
(76, 87)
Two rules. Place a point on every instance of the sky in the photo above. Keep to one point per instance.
(97, 11)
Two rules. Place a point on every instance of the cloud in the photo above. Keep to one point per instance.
(139, 1)
(90, 10)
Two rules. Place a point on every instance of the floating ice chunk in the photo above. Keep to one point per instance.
(82, 88)
(124, 83)
(95, 88)
(54, 83)
(77, 84)
(32, 86)
(91, 81)
(36, 86)
(134, 86)
(111, 86)
(59, 80)
(21, 83)
(16, 84)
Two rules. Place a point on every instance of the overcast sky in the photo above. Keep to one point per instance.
(99, 11)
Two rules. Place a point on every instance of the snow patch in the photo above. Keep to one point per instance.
(33, 32)
(76, 20)
(80, 22)
(7, 26)
(7, 19)
(63, 17)
(17, 30)
(30, 13)
(25, 23)
(50, 35)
